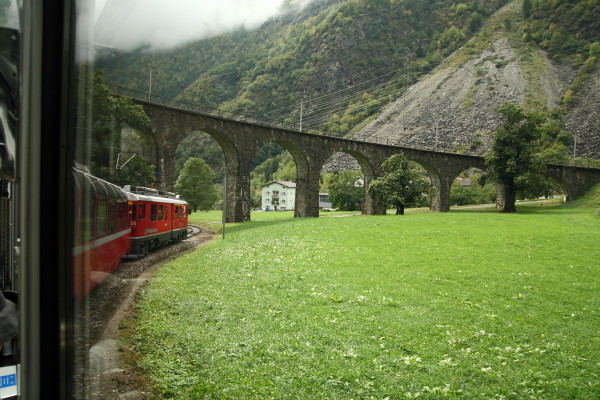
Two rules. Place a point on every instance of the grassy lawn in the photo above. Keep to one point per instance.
(214, 218)
(468, 304)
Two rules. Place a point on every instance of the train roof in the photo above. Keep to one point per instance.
(155, 199)
(83, 178)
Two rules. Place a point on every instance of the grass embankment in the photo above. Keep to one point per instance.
(589, 200)
(465, 305)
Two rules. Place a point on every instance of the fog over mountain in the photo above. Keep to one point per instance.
(161, 24)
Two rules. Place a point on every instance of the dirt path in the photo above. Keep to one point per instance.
(100, 371)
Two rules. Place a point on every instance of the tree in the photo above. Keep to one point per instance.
(527, 5)
(513, 156)
(345, 190)
(195, 184)
(136, 172)
(201, 145)
(401, 186)
(287, 169)
(110, 114)
(474, 193)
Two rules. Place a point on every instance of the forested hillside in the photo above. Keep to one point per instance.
(310, 57)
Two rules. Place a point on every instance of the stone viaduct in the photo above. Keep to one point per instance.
(241, 140)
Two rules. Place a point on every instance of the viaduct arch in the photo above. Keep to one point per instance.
(241, 140)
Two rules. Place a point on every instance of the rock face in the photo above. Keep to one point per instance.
(453, 109)
(583, 118)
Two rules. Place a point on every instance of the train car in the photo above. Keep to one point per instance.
(102, 230)
(156, 218)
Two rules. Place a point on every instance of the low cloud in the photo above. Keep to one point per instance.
(163, 24)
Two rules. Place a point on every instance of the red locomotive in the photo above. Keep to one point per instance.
(113, 223)
(155, 219)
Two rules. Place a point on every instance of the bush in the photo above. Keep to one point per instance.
(472, 194)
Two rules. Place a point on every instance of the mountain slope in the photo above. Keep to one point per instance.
(314, 57)
(351, 61)
(453, 108)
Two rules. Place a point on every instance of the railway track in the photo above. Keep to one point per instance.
(193, 230)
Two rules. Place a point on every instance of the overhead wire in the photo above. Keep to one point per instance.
(290, 109)
(317, 114)
(326, 112)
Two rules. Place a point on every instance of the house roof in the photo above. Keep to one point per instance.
(287, 184)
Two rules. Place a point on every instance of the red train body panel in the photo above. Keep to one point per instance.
(102, 230)
(95, 261)
(113, 223)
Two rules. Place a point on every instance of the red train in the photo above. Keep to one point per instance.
(114, 223)
(154, 220)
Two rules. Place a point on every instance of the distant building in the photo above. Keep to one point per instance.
(463, 181)
(281, 196)
(278, 196)
(324, 201)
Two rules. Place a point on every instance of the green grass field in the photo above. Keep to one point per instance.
(468, 304)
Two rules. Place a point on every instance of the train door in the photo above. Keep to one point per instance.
(175, 218)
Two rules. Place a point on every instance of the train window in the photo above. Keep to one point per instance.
(86, 222)
(160, 212)
(100, 188)
(153, 212)
(176, 213)
(133, 211)
(142, 211)
(124, 207)
(101, 216)
(167, 212)
(113, 216)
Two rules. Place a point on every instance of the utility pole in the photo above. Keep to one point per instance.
(436, 134)
(150, 85)
(301, 110)
(574, 147)
(224, 204)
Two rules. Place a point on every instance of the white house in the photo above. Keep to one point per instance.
(281, 196)
(278, 196)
